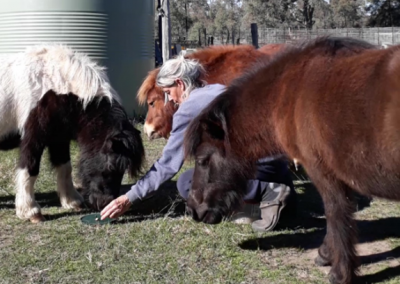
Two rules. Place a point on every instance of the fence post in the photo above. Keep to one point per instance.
(159, 24)
(284, 35)
(254, 34)
(378, 37)
(166, 32)
(199, 43)
(392, 35)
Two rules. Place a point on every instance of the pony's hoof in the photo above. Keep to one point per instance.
(37, 218)
(76, 205)
(319, 261)
(334, 278)
(78, 208)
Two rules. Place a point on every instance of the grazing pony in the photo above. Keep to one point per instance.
(334, 105)
(222, 64)
(50, 95)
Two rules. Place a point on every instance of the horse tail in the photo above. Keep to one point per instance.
(67, 71)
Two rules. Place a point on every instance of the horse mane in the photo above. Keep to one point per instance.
(65, 71)
(208, 56)
(232, 57)
(323, 46)
(271, 48)
(211, 54)
(214, 119)
(126, 142)
(148, 84)
(122, 138)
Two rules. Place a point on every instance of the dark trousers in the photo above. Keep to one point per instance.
(268, 171)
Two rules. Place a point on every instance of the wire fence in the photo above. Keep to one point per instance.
(378, 36)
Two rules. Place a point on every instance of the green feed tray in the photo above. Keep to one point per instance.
(94, 219)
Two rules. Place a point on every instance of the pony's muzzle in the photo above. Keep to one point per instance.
(150, 132)
(204, 214)
(98, 201)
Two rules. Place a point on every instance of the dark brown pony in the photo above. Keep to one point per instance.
(222, 64)
(334, 105)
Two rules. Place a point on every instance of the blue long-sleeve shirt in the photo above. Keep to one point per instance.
(172, 157)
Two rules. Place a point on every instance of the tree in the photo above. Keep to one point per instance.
(383, 13)
(348, 13)
(308, 13)
(270, 13)
(223, 19)
(313, 13)
(180, 19)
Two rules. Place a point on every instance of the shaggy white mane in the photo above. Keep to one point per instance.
(25, 77)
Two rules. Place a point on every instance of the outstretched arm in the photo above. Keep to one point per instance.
(163, 169)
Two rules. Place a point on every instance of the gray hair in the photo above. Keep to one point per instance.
(188, 70)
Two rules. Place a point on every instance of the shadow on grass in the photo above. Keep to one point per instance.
(386, 274)
(309, 225)
(308, 229)
(377, 257)
(43, 198)
(310, 209)
(369, 231)
(166, 202)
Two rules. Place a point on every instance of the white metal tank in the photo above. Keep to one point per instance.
(117, 33)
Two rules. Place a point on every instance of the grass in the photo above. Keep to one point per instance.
(156, 242)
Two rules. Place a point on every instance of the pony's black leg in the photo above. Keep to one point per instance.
(341, 235)
(31, 151)
(324, 257)
(60, 159)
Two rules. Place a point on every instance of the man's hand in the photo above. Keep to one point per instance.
(116, 208)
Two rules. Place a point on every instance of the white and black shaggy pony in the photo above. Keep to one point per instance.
(50, 95)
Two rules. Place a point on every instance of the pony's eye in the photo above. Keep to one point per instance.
(202, 162)
(151, 104)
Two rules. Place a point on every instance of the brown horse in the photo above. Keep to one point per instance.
(222, 64)
(332, 104)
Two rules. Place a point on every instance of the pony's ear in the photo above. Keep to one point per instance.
(116, 144)
(213, 129)
(128, 147)
(206, 126)
(216, 126)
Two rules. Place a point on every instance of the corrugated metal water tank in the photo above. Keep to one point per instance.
(117, 33)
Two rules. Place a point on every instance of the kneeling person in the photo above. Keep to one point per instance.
(180, 80)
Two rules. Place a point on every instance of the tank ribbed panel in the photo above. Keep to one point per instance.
(83, 31)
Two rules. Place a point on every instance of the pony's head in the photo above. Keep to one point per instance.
(222, 65)
(158, 122)
(104, 161)
(220, 177)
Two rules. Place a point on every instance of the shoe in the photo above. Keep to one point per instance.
(271, 209)
(248, 214)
